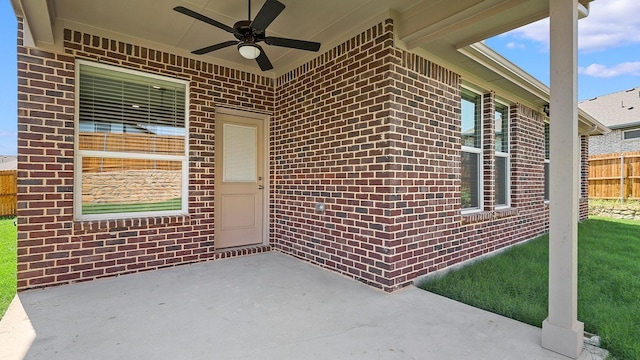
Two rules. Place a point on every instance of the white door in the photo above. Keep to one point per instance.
(238, 181)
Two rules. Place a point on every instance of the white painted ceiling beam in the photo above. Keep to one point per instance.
(456, 21)
(38, 21)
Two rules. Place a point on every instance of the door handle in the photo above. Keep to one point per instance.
(260, 187)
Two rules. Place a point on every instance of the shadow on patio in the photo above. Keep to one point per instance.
(267, 306)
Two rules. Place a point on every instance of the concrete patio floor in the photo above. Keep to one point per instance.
(266, 306)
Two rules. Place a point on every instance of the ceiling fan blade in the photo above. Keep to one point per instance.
(292, 43)
(269, 11)
(197, 16)
(263, 60)
(215, 47)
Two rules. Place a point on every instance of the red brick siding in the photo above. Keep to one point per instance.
(425, 193)
(440, 236)
(368, 129)
(527, 168)
(379, 143)
(52, 248)
(488, 150)
(329, 142)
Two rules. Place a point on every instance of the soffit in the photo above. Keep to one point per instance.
(439, 28)
(440, 25)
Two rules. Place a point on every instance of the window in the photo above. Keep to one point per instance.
(502, 178)
(471, 150)
(631, 134)
(546, 161)
(131, 148)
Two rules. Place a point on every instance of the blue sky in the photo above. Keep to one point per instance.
(608, 48)
(8, 80)
(609, 56)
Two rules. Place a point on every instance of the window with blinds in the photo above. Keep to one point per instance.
(131, 143)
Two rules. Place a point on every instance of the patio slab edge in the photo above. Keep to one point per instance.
(16, 332)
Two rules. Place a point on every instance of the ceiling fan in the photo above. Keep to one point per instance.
(249, 33)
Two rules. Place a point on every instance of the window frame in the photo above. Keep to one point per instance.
(624, 134)
(474, 150)
(80, 154)
(506, 155)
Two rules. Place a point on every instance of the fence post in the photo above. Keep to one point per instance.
(622, 177)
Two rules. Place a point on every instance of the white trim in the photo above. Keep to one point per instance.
(266, 169)
(633, 138)
(243, 113)
(480, 182)
(120, 155)
(471, 211)
(507, 182)
(504, 154)
(484, 55)
(130, 71)
(489, 58)
(478, 150)
(79, 154)
(547, 161)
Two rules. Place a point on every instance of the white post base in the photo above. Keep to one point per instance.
(568, 342)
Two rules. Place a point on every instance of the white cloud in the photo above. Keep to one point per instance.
(602, 71)
(610, 24)
(515, 45)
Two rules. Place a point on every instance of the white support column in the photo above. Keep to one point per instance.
(561, 331)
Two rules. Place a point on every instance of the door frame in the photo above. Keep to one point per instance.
(266, 169)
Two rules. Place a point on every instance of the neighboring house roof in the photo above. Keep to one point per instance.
(8, 162)
(617, 110)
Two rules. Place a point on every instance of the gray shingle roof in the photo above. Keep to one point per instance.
(617, 110)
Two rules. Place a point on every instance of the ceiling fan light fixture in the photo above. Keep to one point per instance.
(248, 51)
(248, 33)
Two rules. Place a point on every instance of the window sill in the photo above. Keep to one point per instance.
(505, 212)
(470, 218)
(84, 226)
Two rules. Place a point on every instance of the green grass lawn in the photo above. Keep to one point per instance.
(8, 239)
(515, 283)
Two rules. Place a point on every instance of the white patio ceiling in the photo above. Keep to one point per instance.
(440, 25)
(441, 30)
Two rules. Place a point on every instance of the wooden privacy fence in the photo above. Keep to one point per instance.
(133, 143)
(8, 192)
(615, 176)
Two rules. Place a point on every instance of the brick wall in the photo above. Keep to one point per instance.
(488, 150)
(52, 248)
(373, 132)
(612, 143)
(330, 144)
(366, 128)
